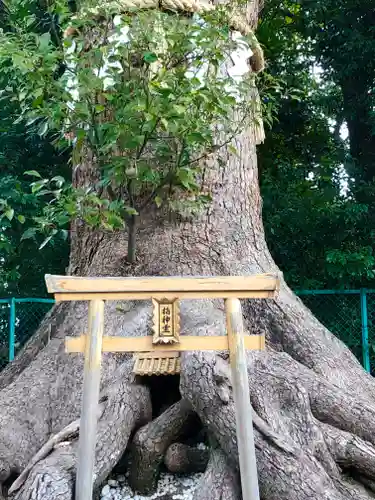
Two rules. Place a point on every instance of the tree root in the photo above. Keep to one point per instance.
(220, 481)
(62, 437)
(152, 441)
(350, 412)
(222, 377)
(52, 478)
(349, 451)
(368, 483)
(183, 459)
(70, 431)
(314, 439)
(314, 473)
(126, 407)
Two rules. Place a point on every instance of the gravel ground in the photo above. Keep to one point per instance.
(170, 487)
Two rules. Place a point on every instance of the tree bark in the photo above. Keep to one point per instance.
(151, 443)
(220, 480)
(314, 406)
(184, 459)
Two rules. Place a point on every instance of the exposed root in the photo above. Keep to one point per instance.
(70, 431)
(152, 441)
(344, 410)
(127, 407)
(183, 459)
(220, 481)
(314, 439)
(368, 483)
(222, 377)
(61, 438)
(52, 478)
(350, 451)
(285, 406)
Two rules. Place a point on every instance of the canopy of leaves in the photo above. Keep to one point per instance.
(22, 267)
(146, 94)
(316, 217)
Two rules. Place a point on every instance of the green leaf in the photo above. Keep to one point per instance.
(43, 192)
(150, 57)
(196, 137)
(164, 122)
(37, 186)
(195, 81)
(32, 120)
(184, 175)
(9, 213)
(64, 234)
(158, 201)
(29, 234)
(33, 173)
(132, 142)
(180, 110)
(48, 239)
(21, 219)
(59, 180)
(131, 211)
(43, 129)
(44, 41)
(232, 150)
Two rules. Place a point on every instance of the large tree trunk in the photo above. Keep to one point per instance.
(313, 405)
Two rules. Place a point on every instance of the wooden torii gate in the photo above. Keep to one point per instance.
(165, 294)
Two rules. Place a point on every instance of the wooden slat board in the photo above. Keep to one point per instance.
(161, 363)
(144, 344)
(80, 288)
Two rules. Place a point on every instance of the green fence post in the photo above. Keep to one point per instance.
(12, 328)
(364, 320)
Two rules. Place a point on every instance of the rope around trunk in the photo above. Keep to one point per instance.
(236, 22)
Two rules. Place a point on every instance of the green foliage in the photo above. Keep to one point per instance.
(317, 226)
(142, 97)
(22, 267)
(145, 95)
(345, 47)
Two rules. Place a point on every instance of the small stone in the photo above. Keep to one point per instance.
(170, 487)
(106, 490)
(201, 446)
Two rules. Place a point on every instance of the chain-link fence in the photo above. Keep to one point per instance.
(19, 319)
(4, 333)
(349, 314)
(370, 320)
